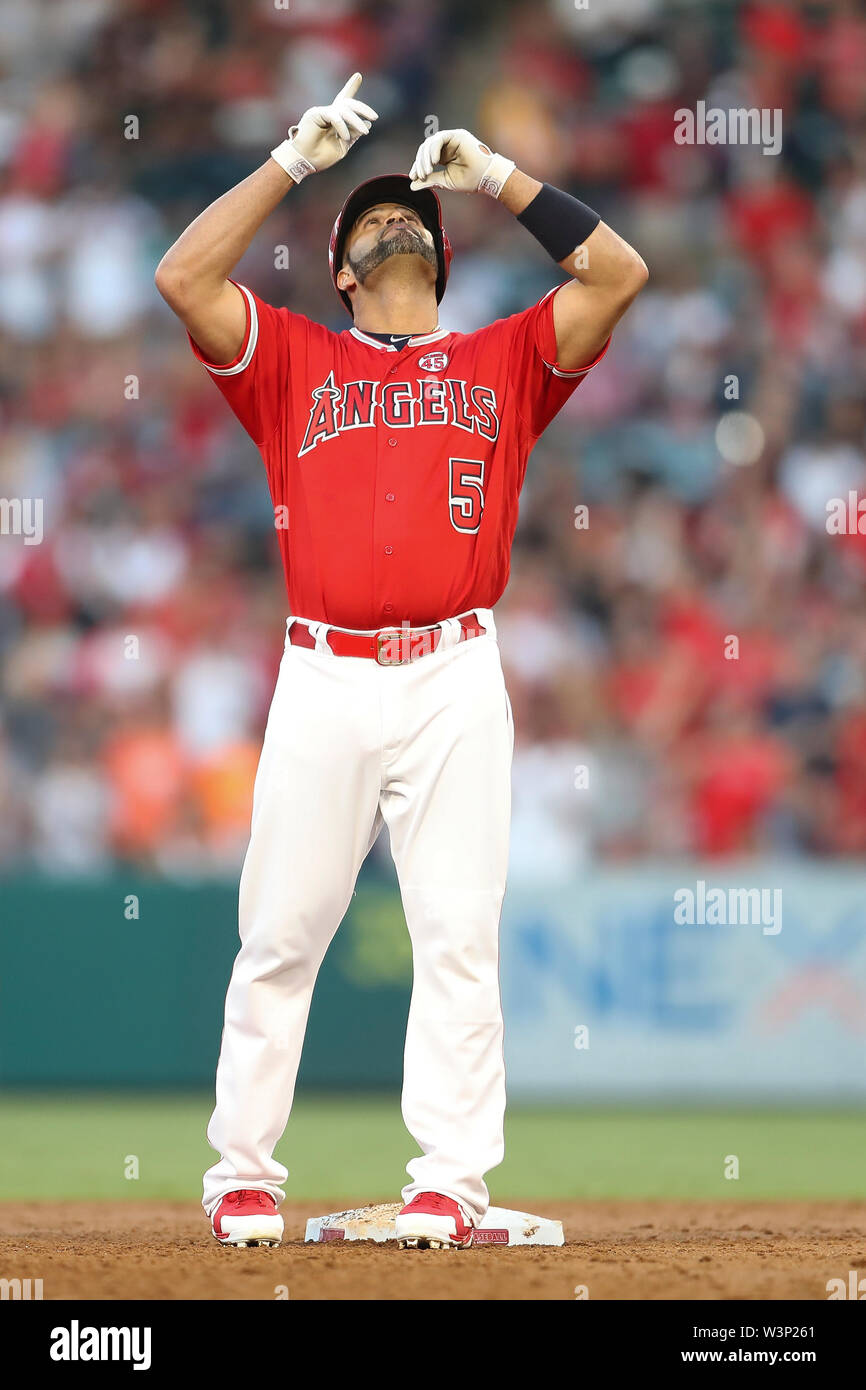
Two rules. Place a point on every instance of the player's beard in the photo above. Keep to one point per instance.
(403, 242)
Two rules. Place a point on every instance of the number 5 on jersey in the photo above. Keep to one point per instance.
(466, 493)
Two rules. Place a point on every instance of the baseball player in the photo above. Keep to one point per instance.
(395, 453)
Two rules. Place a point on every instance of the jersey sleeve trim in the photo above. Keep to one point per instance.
(577, 371)
(554, 366)
(248, 347)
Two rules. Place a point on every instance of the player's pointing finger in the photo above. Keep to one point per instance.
(350, 88)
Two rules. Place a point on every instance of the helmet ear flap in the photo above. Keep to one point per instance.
(447, 257)
(332, 261)
(332, 247)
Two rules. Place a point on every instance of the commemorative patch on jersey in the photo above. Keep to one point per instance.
(433, 361)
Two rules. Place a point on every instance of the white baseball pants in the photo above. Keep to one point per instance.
(350, 745)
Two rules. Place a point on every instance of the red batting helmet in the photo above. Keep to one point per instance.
(390, 188)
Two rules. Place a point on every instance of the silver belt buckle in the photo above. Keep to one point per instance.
(384, 639)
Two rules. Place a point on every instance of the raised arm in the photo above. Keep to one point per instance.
(606, 272)
(192, 276)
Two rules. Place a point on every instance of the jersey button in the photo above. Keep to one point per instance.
(389, 608)
(389, 497)
(389, 550)
(392, 442)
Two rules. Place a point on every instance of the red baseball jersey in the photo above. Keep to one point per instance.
(395, 474)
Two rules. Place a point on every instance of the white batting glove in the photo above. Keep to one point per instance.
(467, 165)
(325, 134)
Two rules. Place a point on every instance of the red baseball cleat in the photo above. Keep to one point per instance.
(247, 1217)
(433, 1222)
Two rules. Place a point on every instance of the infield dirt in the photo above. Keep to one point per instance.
(617, 1250)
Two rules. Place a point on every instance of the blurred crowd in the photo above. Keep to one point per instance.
(686, 654)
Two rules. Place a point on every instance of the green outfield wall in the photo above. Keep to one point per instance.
(121, 981)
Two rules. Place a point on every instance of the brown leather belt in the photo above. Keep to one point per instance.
(390, 646)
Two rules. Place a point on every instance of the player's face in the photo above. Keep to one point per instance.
(383, 231)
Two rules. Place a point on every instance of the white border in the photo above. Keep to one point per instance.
(557, 371)
(390, 347)
(251, 342)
